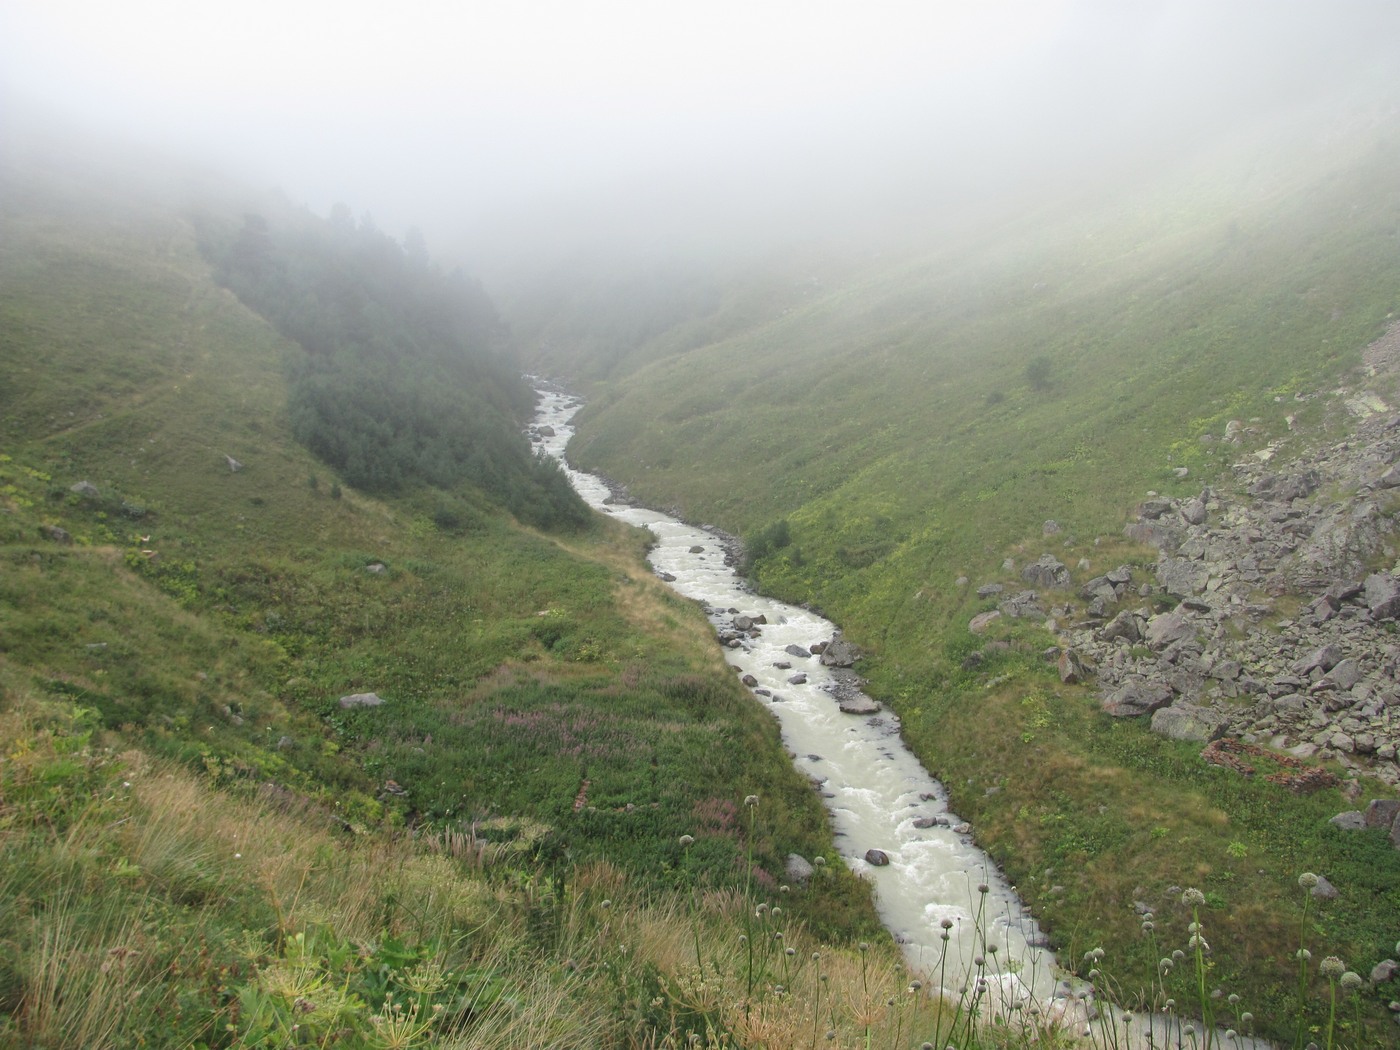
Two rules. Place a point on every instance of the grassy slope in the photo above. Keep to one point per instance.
(547, 686)
(891, 422)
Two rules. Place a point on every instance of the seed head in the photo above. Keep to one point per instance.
(1303, 955)
(1193, 898)
(1350, 981)
(947, 924)
(750, 800)
(1307, 880)
(687, 840)
(1332, 967)
(982, 887)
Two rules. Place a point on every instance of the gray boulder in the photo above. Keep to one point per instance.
(1124, 626)
(1381, 813)
(1324, 890)
(1323, 659)
(1023, 603)
(1188, 722)
(840, 653)
(1048, 571)
(799, 868)
(1345, 673)
(1071, 667)
(982, 621)
(1167, 629)
(1382, 593)
(1181, 577)
(361, 700)
(877, 858)
(1137, 696)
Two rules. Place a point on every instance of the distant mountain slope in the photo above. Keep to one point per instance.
(936, 419)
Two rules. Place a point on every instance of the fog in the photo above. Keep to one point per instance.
(514, 132)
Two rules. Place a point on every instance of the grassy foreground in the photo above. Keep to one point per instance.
(886, 445)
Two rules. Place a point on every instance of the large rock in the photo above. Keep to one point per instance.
(1181, 577)
(797, 650)
(1284, 488)
(1048, 571)
(877, 858)
(1167, 629)
(1153, 534)
(1071, 668)
(858, 704)
(1382, 596)
(1188, 722)
(1381, 813)
(1137, 696)
(1124, 626)
(840, 653)
(1023, 603)
(1344, 673)
(799, 868)
(1323, 658)
(982, 621)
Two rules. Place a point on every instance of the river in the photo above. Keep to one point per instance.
(877, 793)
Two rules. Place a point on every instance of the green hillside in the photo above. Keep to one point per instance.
(190, 816)
(910, 426)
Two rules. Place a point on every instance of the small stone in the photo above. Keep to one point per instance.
(361, 700)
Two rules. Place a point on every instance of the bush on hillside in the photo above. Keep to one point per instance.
(403, 376)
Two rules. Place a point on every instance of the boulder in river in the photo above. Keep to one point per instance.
(840, 653)
(860, 704)
(876, 858)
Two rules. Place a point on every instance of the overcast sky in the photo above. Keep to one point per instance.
(467, 117)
